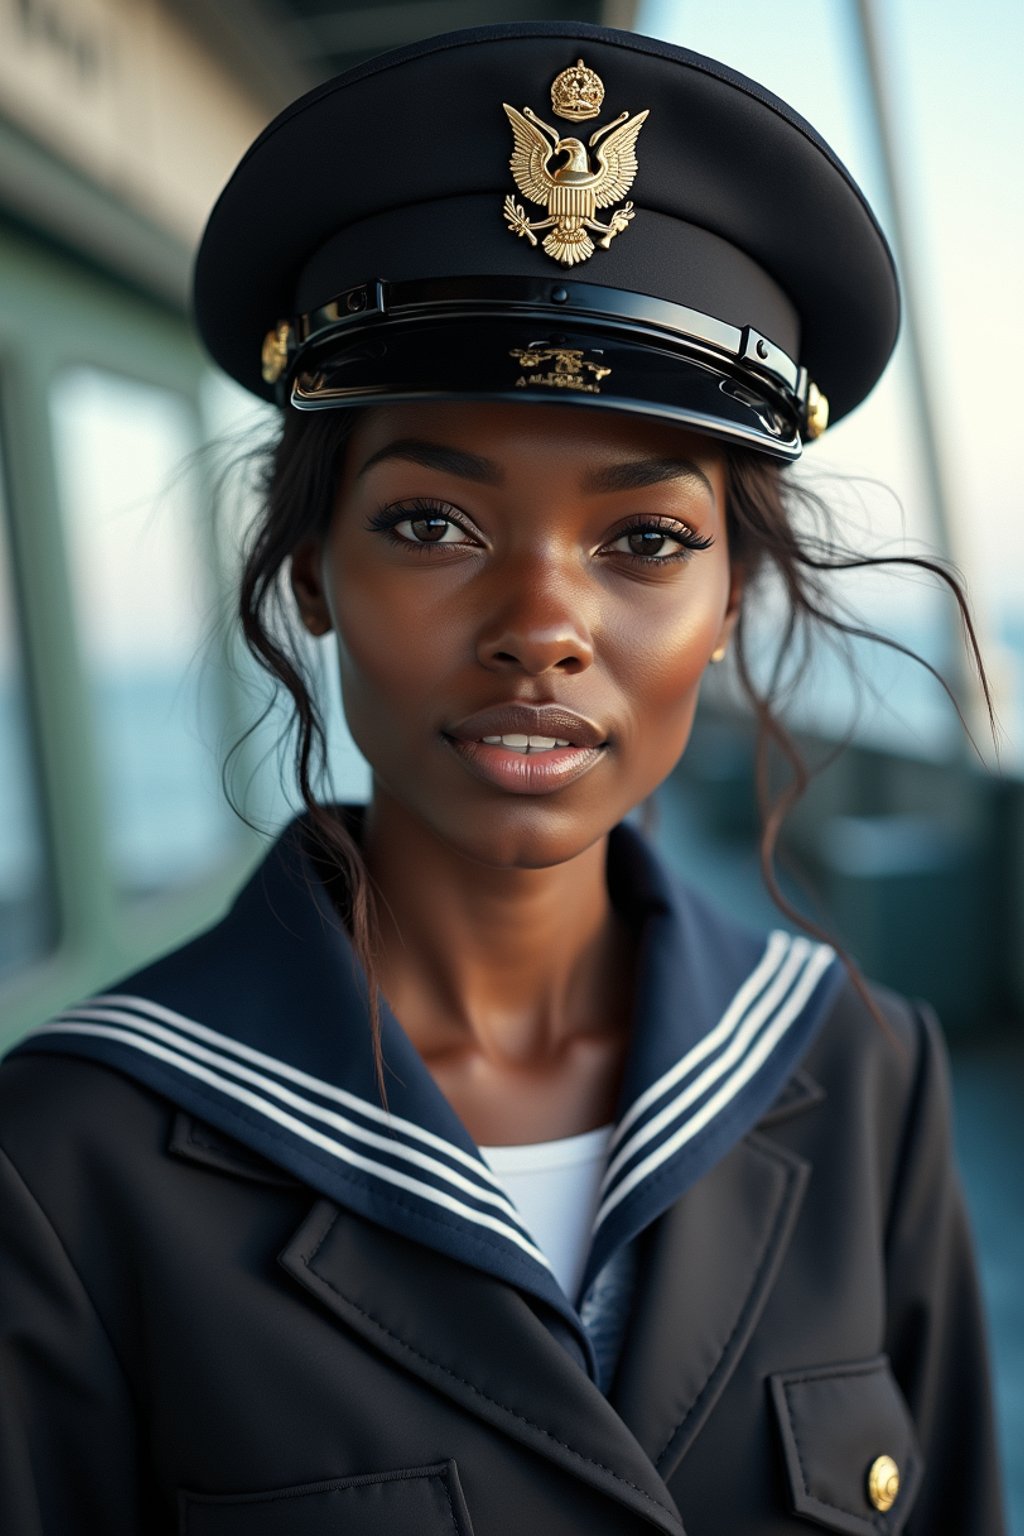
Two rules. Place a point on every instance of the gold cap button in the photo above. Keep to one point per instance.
(817, 412)
(883, 1482)
(274, 355)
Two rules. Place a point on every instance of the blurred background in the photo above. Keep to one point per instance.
(122, 687)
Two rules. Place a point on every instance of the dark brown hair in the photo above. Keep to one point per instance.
(777, 529)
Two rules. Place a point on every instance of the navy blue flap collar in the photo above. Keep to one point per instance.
(258, 1026)
(722, 1018)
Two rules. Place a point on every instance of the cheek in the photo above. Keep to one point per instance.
(390, 651)
(658, 654)
(663, 645)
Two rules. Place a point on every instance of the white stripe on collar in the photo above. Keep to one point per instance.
(187, 1057)
(396, 1124)
(798, 966)
(776, 950)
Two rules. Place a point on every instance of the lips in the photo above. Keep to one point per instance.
(515, 766)
(544, 720)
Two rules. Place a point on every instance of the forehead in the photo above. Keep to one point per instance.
(514, 433)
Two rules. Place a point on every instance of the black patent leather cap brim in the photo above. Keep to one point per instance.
(503, 361)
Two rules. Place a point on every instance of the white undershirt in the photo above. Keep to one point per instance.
(554, 1187)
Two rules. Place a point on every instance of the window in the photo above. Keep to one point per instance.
(143, 576)
(27, 915)
(263, 778)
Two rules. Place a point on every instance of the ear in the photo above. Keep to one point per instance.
(737, 581)
(307, 586)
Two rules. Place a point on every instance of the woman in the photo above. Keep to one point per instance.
(470, 1175)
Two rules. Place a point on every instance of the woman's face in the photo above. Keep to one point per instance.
(522, 571)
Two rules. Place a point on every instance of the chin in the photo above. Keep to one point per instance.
(540, 841)
(519, 832)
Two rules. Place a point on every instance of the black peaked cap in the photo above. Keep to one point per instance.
(397, 172)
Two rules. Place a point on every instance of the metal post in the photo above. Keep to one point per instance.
(938, 475)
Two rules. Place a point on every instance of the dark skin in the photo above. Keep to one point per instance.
(485, 554)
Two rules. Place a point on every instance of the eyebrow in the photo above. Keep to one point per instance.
(635, 474)
(451, 461)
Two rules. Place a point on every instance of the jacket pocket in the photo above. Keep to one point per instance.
(851, 1452)
(417, 1500)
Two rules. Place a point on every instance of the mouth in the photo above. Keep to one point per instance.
(525, 744)
(526, 727)
(527, 749)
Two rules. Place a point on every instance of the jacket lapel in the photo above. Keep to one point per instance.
(709, 1266)
(483, 1343)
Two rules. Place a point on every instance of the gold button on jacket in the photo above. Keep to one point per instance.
(883, 1482)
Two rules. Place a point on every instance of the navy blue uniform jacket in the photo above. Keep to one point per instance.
(240, 1298)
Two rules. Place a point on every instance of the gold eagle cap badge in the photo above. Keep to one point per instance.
(574, 191)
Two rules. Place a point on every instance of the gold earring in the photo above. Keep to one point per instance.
(719, 654)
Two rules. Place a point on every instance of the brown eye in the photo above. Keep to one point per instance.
(429, 530)
(658, 545)
(646, 542)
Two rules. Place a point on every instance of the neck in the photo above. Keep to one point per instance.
(514, 966)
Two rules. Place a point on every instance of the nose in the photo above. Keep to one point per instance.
(536, 622)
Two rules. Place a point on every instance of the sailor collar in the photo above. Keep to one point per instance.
(259, 1027)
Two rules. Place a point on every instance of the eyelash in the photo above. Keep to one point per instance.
(690, 542)
(388, 519)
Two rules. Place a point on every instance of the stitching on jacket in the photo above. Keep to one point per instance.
(769, 1248)
(477, 1391)
(446, 1485)
(840, 1373)
(274, 1495)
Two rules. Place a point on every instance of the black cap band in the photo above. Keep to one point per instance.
(488, 338)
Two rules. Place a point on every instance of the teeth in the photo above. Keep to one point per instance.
(521, 743)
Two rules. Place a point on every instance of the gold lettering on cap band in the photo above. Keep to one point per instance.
(567, 373)
(573, 192)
